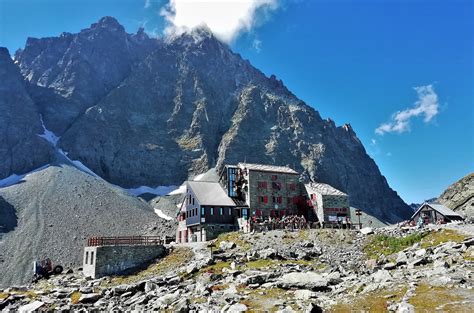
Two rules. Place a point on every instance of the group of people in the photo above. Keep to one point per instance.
(290, 222)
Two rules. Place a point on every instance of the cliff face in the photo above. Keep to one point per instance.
(460, 196)
(21, 149)
(139, 111)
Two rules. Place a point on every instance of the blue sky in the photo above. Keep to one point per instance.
(354, 61)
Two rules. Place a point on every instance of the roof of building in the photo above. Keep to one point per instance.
(210, 193)
(438, 207)
(268, 168)
(323, 189)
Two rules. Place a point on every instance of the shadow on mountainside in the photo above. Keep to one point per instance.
(8, 218)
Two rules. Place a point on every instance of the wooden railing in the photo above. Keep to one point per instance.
(124, 240)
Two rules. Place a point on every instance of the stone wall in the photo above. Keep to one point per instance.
(111, 260)
(254, 192)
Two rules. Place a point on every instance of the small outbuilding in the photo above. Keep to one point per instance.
(434, 213)
(329, 204)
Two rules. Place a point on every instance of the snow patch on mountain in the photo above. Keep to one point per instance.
(78, 164)
(48, 135)
(16, 178)
(159, 191)
(163, 215)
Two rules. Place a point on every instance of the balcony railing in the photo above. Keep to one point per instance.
(124, 241)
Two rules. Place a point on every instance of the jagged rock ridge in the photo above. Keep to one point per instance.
(141, 111)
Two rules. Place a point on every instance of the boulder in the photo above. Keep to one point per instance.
(367, 231)
(371, 264)
(192, 268)
(381, 276)
(417, 262)
(149, 286)
(405, 307)
(89, 298)
(334, 278)
(31, 307)
(181, 306)
(469, 242)
(402, 258)
(268, 253)
(238, 307)
(308, 280)
(304, 294)
(420, 252)
(226, 245)
(389, 266)
(307, 244)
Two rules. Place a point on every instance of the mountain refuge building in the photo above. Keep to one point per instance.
(434, 213)
(248, 194)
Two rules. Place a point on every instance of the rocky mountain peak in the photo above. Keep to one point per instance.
(4, 53)
(192, 37)
(109, 23)
(150, 112)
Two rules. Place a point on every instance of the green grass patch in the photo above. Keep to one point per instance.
(297, 236)
(386, 245)
(375, 302)
(438, 237)
(215, 268)
(263, 300)
(235, 237)
(438, 299)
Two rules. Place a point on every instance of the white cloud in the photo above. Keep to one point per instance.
(150, 3)
(226, 18)
(373, 142)
(427, 106)
(257, 45)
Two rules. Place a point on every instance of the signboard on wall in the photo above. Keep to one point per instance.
(332, 218)
(336, 210)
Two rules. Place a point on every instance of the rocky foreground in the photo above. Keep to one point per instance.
(392, 269)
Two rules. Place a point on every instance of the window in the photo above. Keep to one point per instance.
(221, 211)
(193, 201)
(274, 177)
(212, 211)
(292, 186)
(276, 186)
(265, 199)
(189, 199)
(203, 211)
(230, 211)
(92, 257)
(274, 199)
(262, 185)
(87, 256)
(280, 199)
